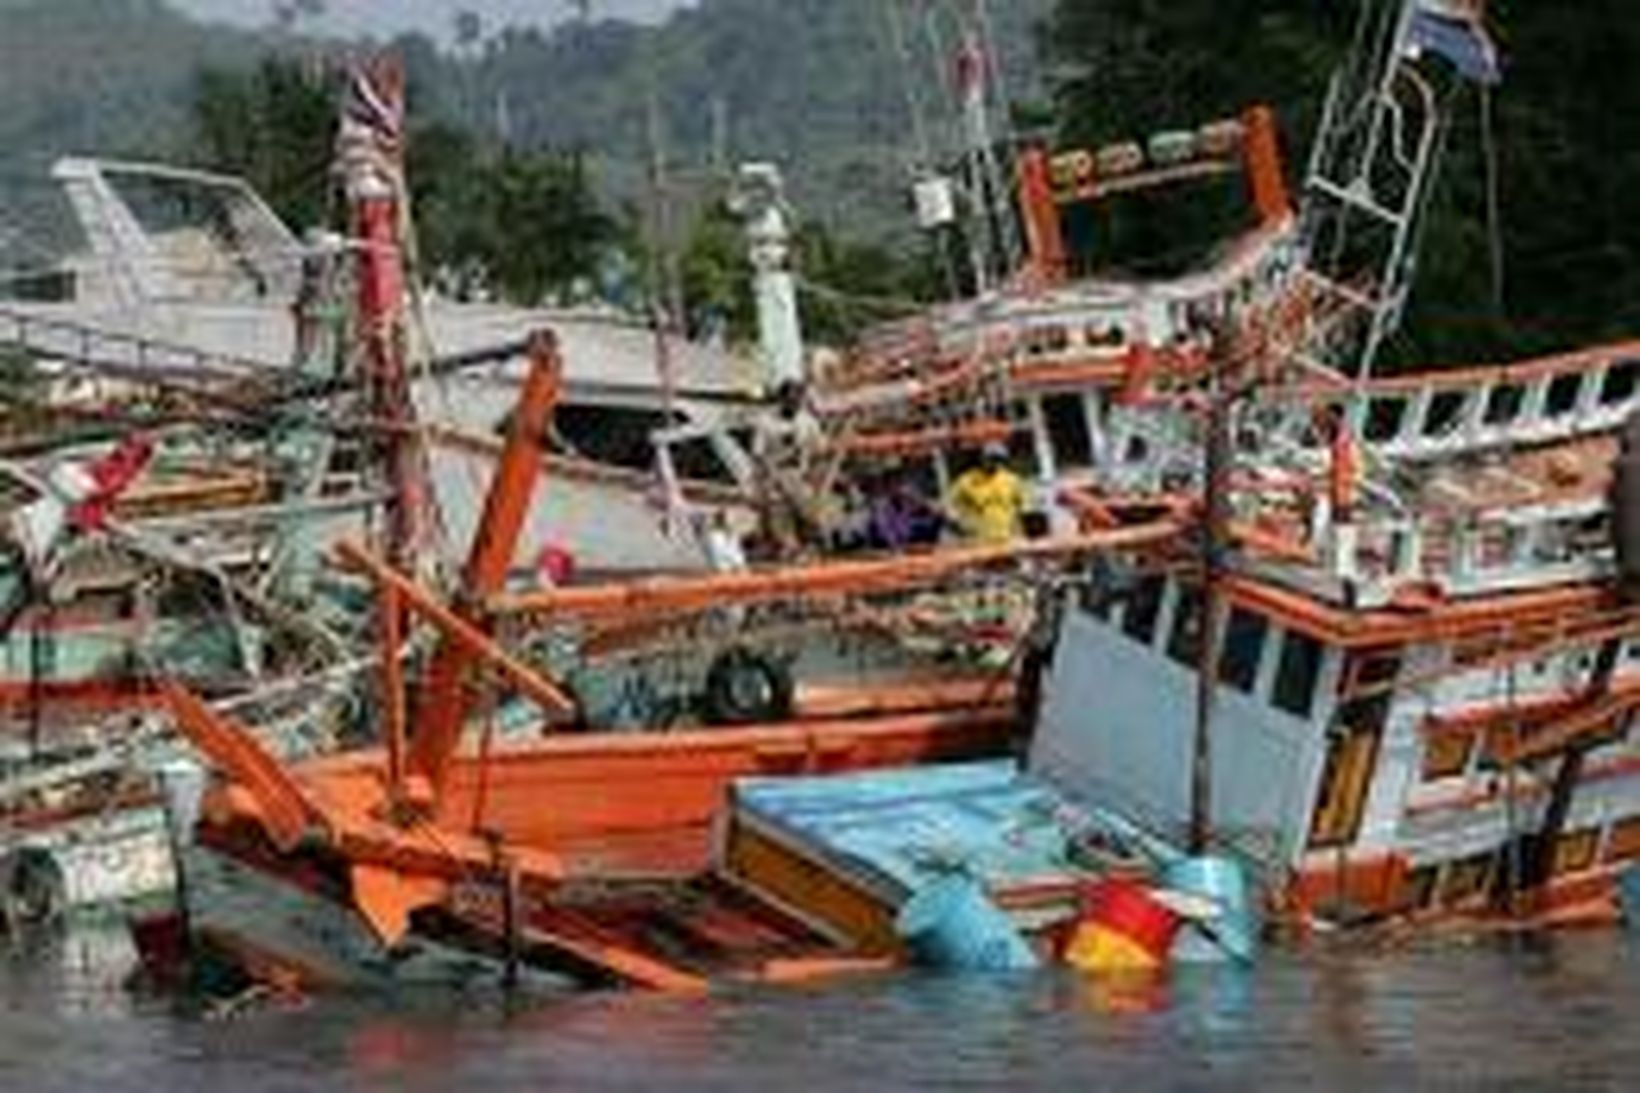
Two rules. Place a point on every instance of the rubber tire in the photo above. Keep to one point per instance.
(32, 888)
(747, 688)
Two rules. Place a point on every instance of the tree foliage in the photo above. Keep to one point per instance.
(1566, 163)
(523, 225)
(274, 126)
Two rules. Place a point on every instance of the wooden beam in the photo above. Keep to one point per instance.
(826, 579)
(286, 810)
(444, 696)
(479, 645)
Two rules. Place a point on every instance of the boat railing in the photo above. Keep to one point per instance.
(1380, 561)
(117, 353)
(1440, 414)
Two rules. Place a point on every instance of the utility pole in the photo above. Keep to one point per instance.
(1215, 541)
(665, 293)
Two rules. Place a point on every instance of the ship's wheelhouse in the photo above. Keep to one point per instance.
(1119, 715)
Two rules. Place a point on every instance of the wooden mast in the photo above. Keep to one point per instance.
(445, 698)
(370, 149)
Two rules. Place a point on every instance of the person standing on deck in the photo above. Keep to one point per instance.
(785, 446)
(988, 501)
(899, 517)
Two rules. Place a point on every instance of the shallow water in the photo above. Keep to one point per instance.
(1558, 1013)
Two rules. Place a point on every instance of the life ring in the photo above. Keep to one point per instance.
(747, 688)
(33, 890)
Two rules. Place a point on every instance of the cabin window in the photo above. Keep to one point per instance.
(1022, 452)
(1467, 878)
(610, 434)
(1575, 850)
(1184, 643)
(1619, 385)
(1342, 802)
(1066, 417)
(1625, 840)
(1562, 396)
(1384, 417)
(1297, 674)
(1143, 607)
(697, 460)
(1504, 404)
(1446, 754)
(1244, 635)
(1445, 413)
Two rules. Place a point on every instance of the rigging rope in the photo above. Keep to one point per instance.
(1494, 213)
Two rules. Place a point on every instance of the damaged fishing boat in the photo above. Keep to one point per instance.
(582, 857)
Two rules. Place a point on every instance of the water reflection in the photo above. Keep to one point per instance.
(1555, 1013)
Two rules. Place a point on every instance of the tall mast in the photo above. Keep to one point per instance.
(370, 155)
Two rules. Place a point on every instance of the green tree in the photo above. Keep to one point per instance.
(1566, 165)
(543, 227)
(717, 277)
(850, 284)
(274, 125)
(526, 225)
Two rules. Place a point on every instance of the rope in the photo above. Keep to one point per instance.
(1494, 216)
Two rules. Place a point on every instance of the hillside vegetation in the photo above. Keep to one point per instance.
(818, 86)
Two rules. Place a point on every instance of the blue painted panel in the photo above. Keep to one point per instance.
(896, 829)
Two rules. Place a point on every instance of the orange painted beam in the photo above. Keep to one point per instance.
(479, 647)
(842, 578)
(902, 696)
(1266, 177)
(1445, 621)
(968, 435)
(445, 699)
(286, 812)
(1044, 233)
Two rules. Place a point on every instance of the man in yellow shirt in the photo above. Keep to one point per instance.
(989, 499)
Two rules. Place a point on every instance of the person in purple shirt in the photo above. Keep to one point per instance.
(899, 517)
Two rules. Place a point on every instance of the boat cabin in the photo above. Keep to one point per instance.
(1382, 759)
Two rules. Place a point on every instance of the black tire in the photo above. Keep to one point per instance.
(33, 891)
(747, 688)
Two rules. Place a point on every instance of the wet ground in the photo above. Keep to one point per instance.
(1563, 1013)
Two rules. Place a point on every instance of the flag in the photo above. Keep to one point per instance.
(1457, 34)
